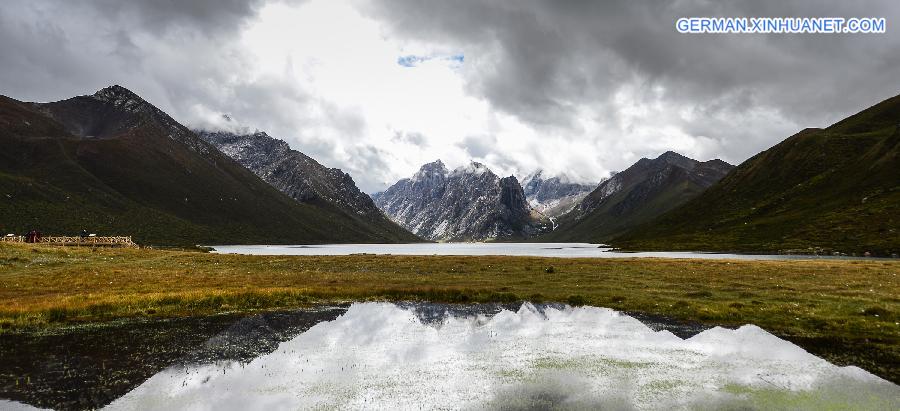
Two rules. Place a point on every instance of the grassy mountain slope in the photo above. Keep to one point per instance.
(822, 190)
(642, 192)
(112, 163)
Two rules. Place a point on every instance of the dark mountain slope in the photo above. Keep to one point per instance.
(114, 164)
(639, 194)
(820, 190)
(303, 178)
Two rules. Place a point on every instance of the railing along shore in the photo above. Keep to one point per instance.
(113, 241)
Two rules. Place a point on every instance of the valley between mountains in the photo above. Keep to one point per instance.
(114, 162)
(449, 205)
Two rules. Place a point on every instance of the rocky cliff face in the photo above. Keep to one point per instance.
(553, 196)
(470, 203)
(298, 175)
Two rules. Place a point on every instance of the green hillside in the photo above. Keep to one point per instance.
(115, 165)
(821, 190)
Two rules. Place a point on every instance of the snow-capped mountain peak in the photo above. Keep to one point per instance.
(430, 171)
(471, 203)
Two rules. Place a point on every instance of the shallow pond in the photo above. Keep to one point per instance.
(570, 250)
(433, 356)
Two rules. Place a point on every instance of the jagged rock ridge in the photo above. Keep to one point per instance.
(298, 175)
(470, 203)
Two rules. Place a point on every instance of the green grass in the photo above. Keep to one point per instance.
(847, 311)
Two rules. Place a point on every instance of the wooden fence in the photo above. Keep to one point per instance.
(117, 241)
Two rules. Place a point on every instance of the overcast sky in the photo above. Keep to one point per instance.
(378, 88)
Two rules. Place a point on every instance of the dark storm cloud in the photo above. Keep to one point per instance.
(601, 82)
(540, 60)
(59, 48)
(178, 55)
(159, 16)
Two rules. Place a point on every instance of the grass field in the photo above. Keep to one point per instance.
(845, 311)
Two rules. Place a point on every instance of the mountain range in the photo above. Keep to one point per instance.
(637, 195)
(112, 163)
(835, 189)
(470, 203)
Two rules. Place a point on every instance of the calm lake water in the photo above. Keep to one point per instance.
(431, 356)
(570, 250)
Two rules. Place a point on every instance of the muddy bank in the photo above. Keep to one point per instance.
(877, 357)
(87, 367)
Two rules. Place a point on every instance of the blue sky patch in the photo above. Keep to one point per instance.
(413, 60)
(410, 61)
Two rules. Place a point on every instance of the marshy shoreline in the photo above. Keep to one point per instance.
(845, 311)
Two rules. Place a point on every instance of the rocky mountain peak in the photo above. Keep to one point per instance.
(671, 156)
(474, 168)
(116, 112)
(469, 203)
(121, 97)
(434, 165)
(115, 91)
(511, 193)
(677, 160)
(435, 169)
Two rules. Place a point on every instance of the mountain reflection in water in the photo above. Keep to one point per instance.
(489, 356)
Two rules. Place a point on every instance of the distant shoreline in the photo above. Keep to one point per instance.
(511, 249)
